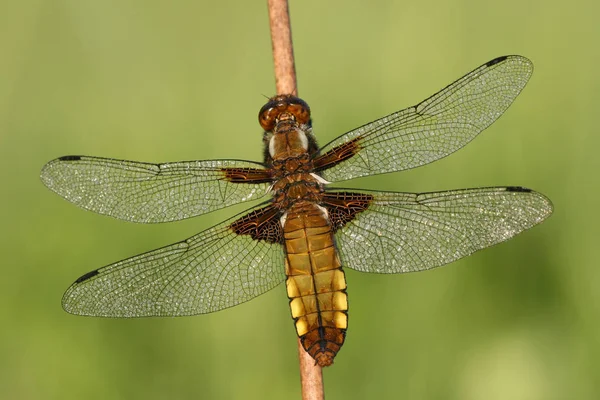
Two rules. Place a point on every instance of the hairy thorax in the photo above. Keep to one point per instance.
(292, 163)
(294, 183)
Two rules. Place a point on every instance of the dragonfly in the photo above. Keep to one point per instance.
(302, 231)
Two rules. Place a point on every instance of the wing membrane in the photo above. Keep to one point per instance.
(432, 129)
(406, 232)
(150, 193)
(210, 271)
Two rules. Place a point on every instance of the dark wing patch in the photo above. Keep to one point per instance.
(70, 158)
(343, 207)
(337, 155)
(518, 189)
(247, 175)
(261, 224)
(496, 61)
(87, 276)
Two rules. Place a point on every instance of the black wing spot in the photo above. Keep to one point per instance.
(70, 158)
(496, 61)
(519, 189)
(343, 207)
(87, 276)
(261, 224)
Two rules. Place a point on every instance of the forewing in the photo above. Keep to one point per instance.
(149, 193)
(432, 129)
(406, 232)
(210, 271)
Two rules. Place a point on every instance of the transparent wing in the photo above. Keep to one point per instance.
(150, 193)
(432, 129)
(406, 232)
(210, 271)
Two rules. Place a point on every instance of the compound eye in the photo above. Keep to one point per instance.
(283, 104)
(300, 111)
(267, 117)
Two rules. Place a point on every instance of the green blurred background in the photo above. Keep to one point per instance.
(165, 81)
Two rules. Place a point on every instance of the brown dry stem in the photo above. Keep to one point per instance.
(283, 51)
(311, 375)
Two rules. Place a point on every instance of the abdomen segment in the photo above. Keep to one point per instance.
(316, 285)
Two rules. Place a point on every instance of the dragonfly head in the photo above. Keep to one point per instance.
(285, 107)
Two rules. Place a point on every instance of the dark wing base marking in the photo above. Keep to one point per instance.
(247, 175)
(337, 155)
(343, 207)
(261, 224)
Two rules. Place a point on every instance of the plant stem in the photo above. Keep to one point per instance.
(283, 51)
(311, 376)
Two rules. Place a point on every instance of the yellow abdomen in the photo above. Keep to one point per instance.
(315, 283)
